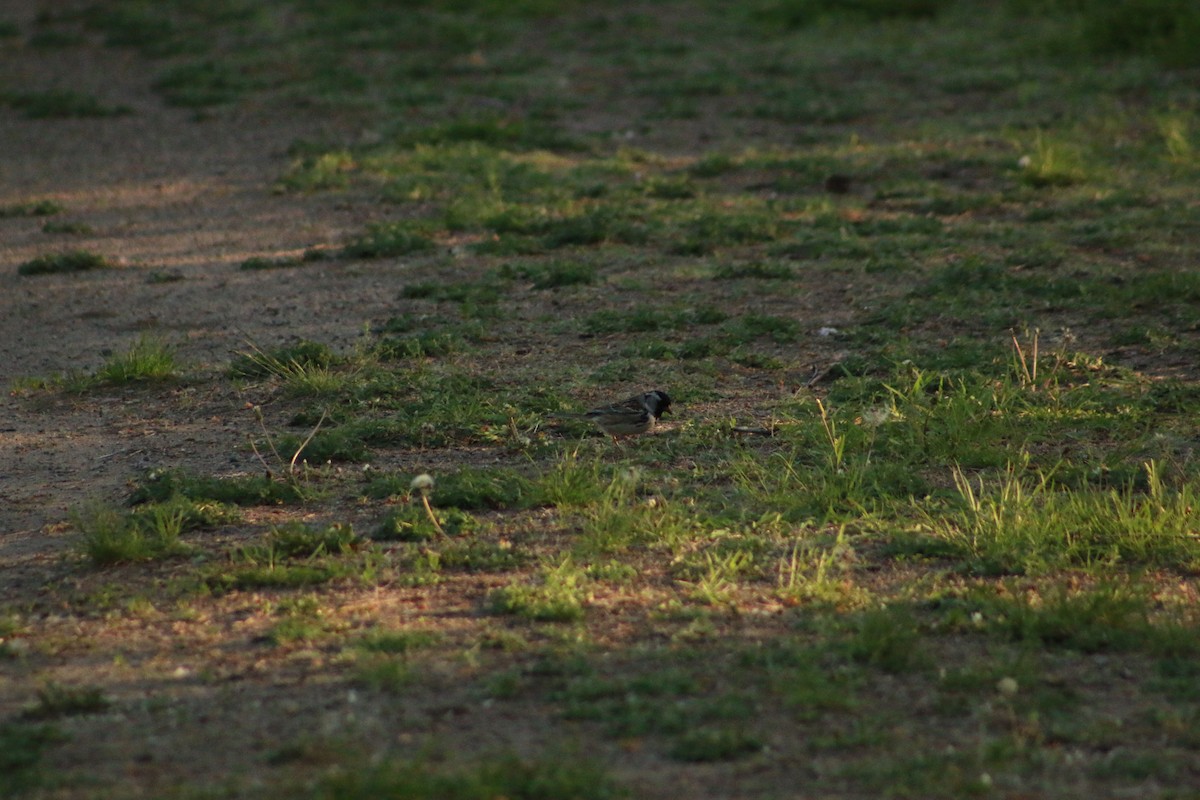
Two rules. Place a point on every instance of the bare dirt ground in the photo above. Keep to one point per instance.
(168, 196)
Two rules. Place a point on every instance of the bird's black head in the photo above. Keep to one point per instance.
(657, 402)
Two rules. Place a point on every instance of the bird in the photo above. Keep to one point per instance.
(638, 414)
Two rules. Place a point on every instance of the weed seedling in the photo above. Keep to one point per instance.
(149, 359)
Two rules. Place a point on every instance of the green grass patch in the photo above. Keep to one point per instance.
(708, 231)
(318, 171)
(552, 274)
(425, 407)
(496, 131)
(22, 746)
(60, 104)
(282, 362)
(32, 208)
(109, 536)
(750, 327)
(257, 263)
(475, 489)
(389, 240)
(148, 359)
(296, 540)
(57, 700)
(301, 620)
(271, 576)
(755, 271)
(802, 13)
(194, 514)
(349, 443)
(557, 595)
(1161, 29)
(506, 776)
(715, 744)
(153, 30)
(384, 674)
(1025, 525)
(398, 642)
(204, 83)
(386, 658)
(474, 555)
(888, 639)
(1109, 617)
(292, 556)
(162, 485)
(50, 38)
(670, 702)
(1052, 163)
(411, 523)
(419, 345)
(69, 228)
(467, 294)
(648, 319)
(71, 261)
(295, 629)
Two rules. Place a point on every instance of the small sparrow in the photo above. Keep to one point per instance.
(633, 416)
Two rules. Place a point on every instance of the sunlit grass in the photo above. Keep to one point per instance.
(1024, 524)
